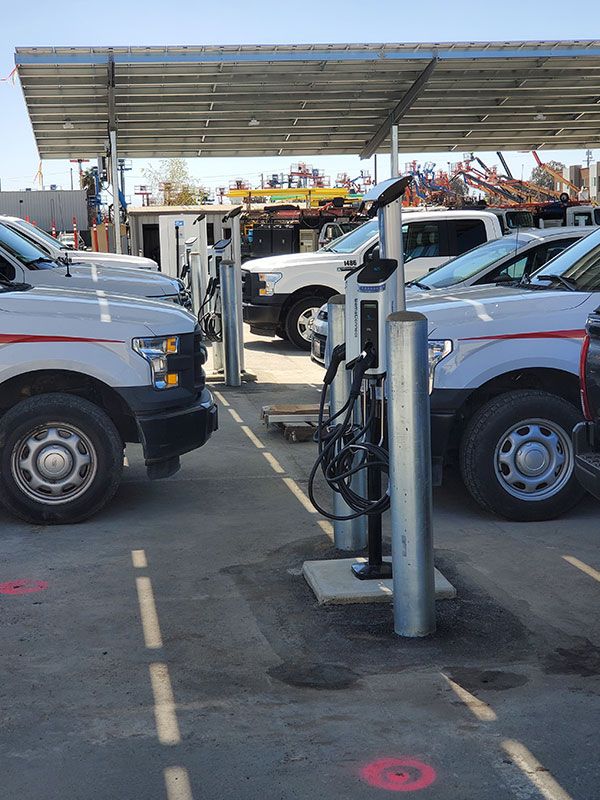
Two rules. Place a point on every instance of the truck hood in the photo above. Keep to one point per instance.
(110, 259)
(64, 312)
(117, 280)
(492, 310)
(277, 263)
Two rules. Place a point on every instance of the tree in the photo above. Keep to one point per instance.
(172, 184)
(540, 177)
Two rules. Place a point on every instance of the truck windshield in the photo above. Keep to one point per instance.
(579, 264)
(350, 242)
(31, 232)
(25, 252)
(474, 261)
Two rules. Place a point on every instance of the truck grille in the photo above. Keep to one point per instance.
(200, 356)
(246, 285)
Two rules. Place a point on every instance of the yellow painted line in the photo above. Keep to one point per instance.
(221, 399)
(275, 465)
(138, 558)
(150, 625)
(534, 771)
(327, 527)
(177, 783)
(167, 727)
(235, 415)
(299, 494)
(254, 439)
(476, 706)
(593, 573)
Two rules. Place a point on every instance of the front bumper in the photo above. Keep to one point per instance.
(586, 442)
(263, 316)
(168, 434)
(317, 348)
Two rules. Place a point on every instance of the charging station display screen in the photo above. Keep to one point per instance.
(369, 312)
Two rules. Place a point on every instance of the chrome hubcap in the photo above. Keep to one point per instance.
(306, 320)
(54, 463)
(534, 459)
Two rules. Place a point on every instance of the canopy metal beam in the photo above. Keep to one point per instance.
(398, 112)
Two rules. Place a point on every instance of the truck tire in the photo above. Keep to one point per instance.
(516, 456)
(299, 321)
(61, 459)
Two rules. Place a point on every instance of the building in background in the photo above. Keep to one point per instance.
(45, 207)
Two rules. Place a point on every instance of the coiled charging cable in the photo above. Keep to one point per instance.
(343, 452)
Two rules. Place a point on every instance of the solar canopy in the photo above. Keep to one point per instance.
(312, 99)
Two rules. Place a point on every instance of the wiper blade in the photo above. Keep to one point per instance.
(8, 286)
(40, 260)
(568, 283)
(419, 284)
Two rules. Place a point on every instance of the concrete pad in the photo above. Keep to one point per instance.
(332, 582)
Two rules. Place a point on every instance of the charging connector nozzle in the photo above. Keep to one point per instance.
(337, 356)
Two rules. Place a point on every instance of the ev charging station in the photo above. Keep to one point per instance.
(219, 305)
(385, 350)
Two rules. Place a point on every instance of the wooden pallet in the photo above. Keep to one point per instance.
(297, 422)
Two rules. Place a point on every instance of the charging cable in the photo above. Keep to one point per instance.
(343, 450)
(211, 328)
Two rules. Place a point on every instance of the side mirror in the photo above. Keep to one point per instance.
(374, 254)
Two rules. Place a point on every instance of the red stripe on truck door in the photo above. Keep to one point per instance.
(574, 334)
(13, 338)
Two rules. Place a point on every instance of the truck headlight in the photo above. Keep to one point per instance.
(437, 349)
(156, 351)
(269, 279)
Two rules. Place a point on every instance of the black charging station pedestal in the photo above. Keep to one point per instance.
(375, 568)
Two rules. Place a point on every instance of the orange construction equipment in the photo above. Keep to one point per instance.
(556, 175)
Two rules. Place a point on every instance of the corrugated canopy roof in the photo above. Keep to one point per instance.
(313, 99)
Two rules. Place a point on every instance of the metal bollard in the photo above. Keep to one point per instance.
(410, 474)
(229, 320)
(347, 534)
(196, 281)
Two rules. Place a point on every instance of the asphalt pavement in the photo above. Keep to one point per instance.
(170, 647)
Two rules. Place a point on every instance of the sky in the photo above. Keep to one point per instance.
(151, 22)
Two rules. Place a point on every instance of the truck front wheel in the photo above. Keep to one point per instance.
(300, 319)
(61, 459)
(516, 456)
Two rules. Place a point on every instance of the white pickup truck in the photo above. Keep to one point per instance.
(80, 375)
(282, 294)
(504, 364)
(23, 262)
(59, 251)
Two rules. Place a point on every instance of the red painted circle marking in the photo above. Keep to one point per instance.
(24, 586)
(398, 774)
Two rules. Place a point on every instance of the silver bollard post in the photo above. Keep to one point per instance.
(410, 474)
(348, 534)
(195, 281)
(229, 321)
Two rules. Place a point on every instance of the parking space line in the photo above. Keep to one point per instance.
(476, 706)
(138, 557)
(167, 727)
(299, 494)
(235, 415)
(593, 573)
(534, 771)
(177, 782)
(253, 438)
(150, 626)
(221, 399)
(275, 465)
(326, 527)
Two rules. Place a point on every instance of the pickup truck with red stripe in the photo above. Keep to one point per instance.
(81, 375)
(504, 383)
